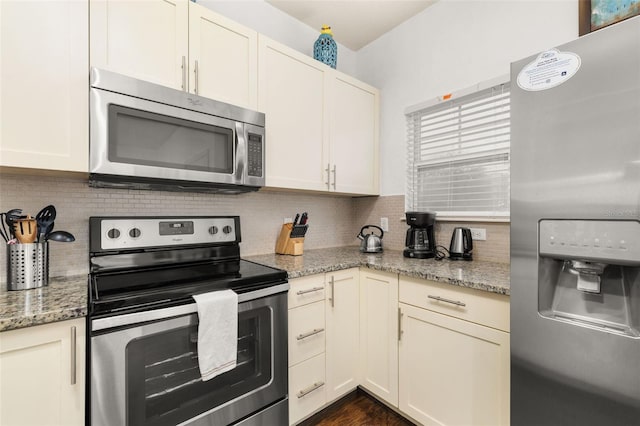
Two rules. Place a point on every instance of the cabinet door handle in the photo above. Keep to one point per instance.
(310, 333)
(328, 176)
(442, 299)
(334, 176)
(73, 355)
(399, 324)
(184, 73)
(195, 71)
(311, 290)
(332, 298)
(310, 389)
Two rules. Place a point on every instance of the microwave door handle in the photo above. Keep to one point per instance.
(240, 153)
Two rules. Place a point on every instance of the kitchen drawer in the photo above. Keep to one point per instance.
(306, 388)
(306, 332)
(306, 290)
(477, 306)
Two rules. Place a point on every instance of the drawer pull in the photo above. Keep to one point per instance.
(309, 334)
(73, 355)
(399, 324)
(316, 385)
(311, 290)
(442, 299)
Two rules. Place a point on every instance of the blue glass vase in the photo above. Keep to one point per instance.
(325, 48)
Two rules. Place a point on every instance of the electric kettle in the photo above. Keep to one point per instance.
(370, 243)
(461, 244)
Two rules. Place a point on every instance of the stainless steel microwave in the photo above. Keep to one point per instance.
(147, 136)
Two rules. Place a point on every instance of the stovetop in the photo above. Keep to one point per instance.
(126, 291)
(139, 263)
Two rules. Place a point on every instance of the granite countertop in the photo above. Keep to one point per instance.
(62, 299)
(66, 298)
(487, 276)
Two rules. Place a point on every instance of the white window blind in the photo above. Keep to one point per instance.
(458, 155)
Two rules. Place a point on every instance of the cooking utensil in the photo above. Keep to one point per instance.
(304, 218)
(60, 236)
(9, 218)
(45, 219)
(3, 229)
(295, 221)
(25, 230)
(371, 243)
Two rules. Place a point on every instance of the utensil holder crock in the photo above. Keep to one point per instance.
(27, 266)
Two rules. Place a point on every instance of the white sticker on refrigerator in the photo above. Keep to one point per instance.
(548, 70)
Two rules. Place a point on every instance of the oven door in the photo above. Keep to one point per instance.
(141, 138)
(146, 373)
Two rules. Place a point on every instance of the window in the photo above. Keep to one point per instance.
(458, 154)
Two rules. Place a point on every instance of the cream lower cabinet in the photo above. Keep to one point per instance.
(42, 375)
(307, 338)
(179, 44)
(343, 331)
(379, 334)
(44, 85)
(323, 340)
(453, 355)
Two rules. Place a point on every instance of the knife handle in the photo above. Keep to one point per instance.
(295, 221)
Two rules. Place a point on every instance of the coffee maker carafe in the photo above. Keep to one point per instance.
(420, 242)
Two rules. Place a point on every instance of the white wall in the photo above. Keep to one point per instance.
(452, 45)
(277, 25)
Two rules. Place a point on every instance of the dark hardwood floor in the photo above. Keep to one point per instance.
(357, 409)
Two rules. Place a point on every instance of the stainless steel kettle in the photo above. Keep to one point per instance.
(461, 244)
(370, 243)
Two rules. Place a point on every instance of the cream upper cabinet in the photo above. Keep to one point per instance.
(42, 374)
(223, 58)
(453, 366)
(292, 91)
(44, 85)
(179, 44)
(143, 39)
(379, 334)
(322, 126)
(354, 136)
(343, 332)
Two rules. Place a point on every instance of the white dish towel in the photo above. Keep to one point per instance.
(217, 332)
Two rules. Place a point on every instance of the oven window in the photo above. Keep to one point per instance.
(146, 138)
(163, 379)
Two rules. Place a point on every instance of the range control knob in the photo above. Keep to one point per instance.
(213, 230)
(113, 233)
(227, 229)
(134, 232)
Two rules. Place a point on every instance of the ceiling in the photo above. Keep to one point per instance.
(355, 23)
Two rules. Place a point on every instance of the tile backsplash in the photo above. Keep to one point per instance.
(333, 220)
(369, 210)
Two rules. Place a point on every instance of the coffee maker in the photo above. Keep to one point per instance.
(420, 242)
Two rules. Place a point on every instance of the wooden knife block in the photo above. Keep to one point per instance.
(286, 244)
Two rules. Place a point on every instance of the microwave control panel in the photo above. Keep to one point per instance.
(254, 155)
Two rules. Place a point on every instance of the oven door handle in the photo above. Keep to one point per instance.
(176, 311)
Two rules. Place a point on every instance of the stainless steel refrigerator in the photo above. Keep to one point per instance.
(575, 232)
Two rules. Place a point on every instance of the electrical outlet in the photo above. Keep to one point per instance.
(479, 234)
(288, 220)
(384, 224)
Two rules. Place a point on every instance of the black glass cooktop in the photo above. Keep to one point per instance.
(123, 291)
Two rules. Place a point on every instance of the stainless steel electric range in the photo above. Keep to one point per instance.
(143, 323)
